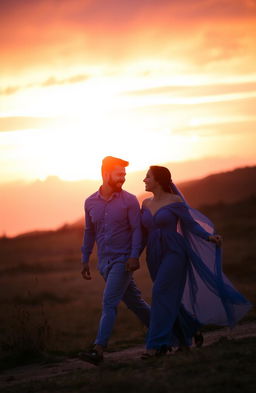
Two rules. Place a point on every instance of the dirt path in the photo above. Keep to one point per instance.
(39, 371)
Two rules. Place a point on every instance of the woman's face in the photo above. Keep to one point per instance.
(150, 183)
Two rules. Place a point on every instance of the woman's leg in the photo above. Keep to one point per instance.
(166, 299)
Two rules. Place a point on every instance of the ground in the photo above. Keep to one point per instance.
(37, 372)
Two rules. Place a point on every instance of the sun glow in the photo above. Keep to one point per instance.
(122, 116)
(89, 122)
(77, 154)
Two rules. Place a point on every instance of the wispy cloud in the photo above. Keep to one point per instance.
(51, 81)
(211, 129)
(203, 31)
(196, 90)
(74, 79)
(10, 90)
(24, 123)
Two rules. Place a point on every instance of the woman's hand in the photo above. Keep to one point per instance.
(217, 239)
(132, 264)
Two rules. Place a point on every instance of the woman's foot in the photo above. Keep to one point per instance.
(199, 339)
(183, 349)
(152, 353)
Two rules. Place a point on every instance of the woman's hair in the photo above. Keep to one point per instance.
(163, 176)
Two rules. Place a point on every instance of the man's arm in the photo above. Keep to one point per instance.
(88, 243)
(136, 240)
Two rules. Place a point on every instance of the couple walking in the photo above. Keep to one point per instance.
(183, 259)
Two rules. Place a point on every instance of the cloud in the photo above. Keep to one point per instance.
(89, 31)
(182, 118)
(10, 90)
(74, 79)
(195, 91)
(51, 81)
(225, 128)
(15, 123)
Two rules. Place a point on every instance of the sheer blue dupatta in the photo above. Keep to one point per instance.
(208, 295)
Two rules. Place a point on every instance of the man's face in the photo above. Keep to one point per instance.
(117, 178)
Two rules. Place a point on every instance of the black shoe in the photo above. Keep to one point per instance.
(92, 356)
(199, 339)
(162, 350)
(183, 348)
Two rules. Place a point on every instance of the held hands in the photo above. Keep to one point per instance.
(132, 264)
(217, 239)
(86, 272)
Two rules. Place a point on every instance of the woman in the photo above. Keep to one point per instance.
(184, 262)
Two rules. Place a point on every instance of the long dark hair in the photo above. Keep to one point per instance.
(163, 176)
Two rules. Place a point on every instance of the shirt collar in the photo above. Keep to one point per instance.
(114, 195)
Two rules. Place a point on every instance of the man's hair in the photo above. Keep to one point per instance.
(109, 163)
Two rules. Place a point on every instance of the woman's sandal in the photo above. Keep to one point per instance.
(156, 353)
(199, 339)
(148, 355)
(183, 349)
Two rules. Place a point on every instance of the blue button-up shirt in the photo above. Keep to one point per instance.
(114, 224)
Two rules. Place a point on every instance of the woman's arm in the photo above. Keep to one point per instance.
(194, 227)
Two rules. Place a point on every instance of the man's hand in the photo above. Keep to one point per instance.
(86, 272)
(217, 239)
(132, 264)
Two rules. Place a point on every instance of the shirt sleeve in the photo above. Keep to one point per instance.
(191, 224)
(89, 237)
(135, 225)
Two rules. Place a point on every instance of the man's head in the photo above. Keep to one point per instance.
(113, 172)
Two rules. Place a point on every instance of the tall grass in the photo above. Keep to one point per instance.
(47, 306)
(28, 336)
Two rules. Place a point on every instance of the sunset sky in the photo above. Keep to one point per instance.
(152, 81)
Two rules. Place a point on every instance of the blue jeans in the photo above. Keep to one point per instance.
(119, 286)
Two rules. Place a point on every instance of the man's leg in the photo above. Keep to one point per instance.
(133, 300)
(117, 281)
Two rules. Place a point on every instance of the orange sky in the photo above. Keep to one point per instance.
(150, 81)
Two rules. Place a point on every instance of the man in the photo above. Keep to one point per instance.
(113, 220)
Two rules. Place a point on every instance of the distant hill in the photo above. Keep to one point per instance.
(227, 187)
(50, 204)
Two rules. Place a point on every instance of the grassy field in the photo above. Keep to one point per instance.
(226, 367)
(47, 308)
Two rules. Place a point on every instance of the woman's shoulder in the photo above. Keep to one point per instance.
(146, 201)
(175, 198)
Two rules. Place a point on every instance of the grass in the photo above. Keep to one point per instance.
(27, 339)
(225, 367)
(47, 309)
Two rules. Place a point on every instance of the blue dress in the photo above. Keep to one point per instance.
(189, 287)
